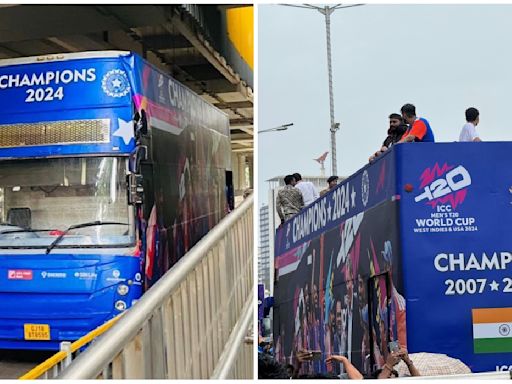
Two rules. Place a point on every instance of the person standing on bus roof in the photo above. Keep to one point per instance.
(289, 200)
(332, 182)
(419, 128)
(469, 132)
(307, 188)
(396, 129)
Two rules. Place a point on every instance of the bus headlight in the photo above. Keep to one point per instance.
(120, 305)
(122, 289)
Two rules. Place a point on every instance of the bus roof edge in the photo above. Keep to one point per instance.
(62, 57)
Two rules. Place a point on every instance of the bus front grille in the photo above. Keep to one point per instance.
(55, 132)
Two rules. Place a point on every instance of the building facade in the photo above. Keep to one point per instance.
(264, 262)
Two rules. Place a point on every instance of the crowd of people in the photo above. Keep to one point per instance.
(398, 363)
(269, 368)
(297, 194)
(408, 127)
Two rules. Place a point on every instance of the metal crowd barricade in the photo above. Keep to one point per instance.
(192, 323)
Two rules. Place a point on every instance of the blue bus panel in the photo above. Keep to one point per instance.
(457, 250)
(65, 293)
(81, 90)
(425, 261)
(359, 192)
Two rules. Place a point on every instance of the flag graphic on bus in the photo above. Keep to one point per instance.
(492, 330)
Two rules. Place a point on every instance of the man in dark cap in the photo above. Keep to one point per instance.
(332, 182)
(397, 128)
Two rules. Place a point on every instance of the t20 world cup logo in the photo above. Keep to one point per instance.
(447, 184)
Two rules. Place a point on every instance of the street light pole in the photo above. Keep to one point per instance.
(326, 11)
(283, 127)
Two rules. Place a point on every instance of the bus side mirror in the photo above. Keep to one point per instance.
(140, 154)
(141, 123)
(135, 189)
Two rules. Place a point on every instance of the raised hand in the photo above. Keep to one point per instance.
(304, 356)
(393, 358)
(336, 358)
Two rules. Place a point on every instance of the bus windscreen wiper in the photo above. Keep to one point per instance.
(77, 226)
(24, 230)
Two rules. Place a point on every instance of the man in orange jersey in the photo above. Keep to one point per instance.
(419, 128)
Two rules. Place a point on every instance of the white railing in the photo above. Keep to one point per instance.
(495, 375)
(192, 323)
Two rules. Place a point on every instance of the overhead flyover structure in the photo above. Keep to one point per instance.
(209, 48)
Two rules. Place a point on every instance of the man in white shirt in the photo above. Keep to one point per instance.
(307, 188)
(469, 132)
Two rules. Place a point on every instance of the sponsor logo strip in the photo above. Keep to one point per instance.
(19, 274)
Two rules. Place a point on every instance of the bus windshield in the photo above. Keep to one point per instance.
(42, 198)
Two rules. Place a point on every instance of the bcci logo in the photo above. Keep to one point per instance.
(365, 188)
(115, 83)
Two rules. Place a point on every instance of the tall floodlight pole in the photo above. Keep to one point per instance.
(326, 11)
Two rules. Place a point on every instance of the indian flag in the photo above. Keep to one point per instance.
(492, 330)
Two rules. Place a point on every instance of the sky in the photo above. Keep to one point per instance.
(441, 58)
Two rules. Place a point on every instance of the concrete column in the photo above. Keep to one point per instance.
(234, 169)
(241, 172)
(250, 162)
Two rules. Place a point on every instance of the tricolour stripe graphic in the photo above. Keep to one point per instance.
(492, 330)
(500, 345)
(492, 315)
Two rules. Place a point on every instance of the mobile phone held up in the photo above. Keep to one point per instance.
(317, 355)
(394, 346)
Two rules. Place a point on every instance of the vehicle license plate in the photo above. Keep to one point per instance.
(37, 331)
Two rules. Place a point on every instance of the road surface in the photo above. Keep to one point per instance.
(14, 364)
